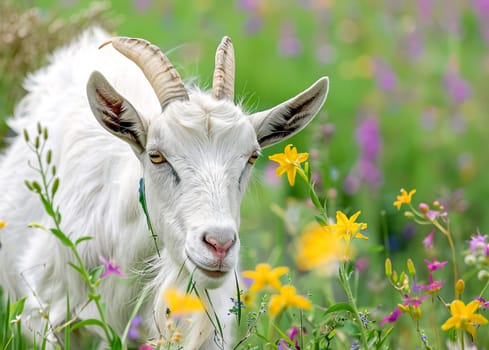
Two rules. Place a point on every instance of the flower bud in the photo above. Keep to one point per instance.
(423, 207)
(470, 259)
(459, 287)
(388, 267)
(483, 275)
(411, 268)
(408, 214)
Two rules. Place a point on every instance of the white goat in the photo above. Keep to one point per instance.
(195, 151)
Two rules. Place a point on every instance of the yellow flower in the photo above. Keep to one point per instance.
(318, 247)
(404, 198)
(2, 224)
(464, 316)
(265, 276)
(182, 304)
(348, 228)
(287, 297)
(289, 162)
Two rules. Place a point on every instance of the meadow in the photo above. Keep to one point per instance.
(380, 242)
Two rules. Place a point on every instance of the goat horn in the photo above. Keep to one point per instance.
(223, 80)
(157, 68)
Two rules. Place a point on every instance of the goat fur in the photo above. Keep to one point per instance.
(208, 142)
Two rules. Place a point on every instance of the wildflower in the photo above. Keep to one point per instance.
(459, 287)
(285, 344)
(478, 244)
(110, 268)
(386, 77)
(145, 347)
(182, 304)
(237, 305)
(347, 228)
(428, 240)
(265, 276)
(286, 298)
(2, 224)
(412, 305)
(435, 264)
(134, 328)
(393, 316)
(317, 247)
(434, 286)
(464, 316)
(404, 198)
(289, 43)
(483, 303)
(289, 162)
(177, 336)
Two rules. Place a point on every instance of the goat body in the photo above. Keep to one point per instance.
(194, 150)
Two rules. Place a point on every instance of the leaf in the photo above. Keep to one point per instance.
(54, 189)
(83, 239)
(339, 307)
(76, 267)
(96, 273)
(47, 205)
(238, 297)
(320, 220)
(88, 322)
(62, 237)
(16, 308)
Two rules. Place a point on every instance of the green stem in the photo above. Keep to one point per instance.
(484, 289)
(446, 232)
(353, 304)
(82, 269)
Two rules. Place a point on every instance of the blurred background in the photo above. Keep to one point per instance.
(407, 107)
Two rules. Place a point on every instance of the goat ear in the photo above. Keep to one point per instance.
(115, 113)
(291, 116)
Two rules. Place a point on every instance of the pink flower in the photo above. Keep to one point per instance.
(414, 301)
(393, 316)
(428, 240)
(435, 264)
(110, 268)
(483, 303)
(434, 286)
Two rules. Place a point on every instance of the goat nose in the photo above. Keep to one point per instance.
(218, 247)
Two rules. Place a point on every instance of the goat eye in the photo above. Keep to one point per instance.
(253, 158)
(156, 157)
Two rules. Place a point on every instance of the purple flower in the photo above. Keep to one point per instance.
(425, 9)
(393, 316)
(253, 24)
(289, 43)
(434, 286)
(414, 45)
(136, 323)
(414, 301)
(456, 87)
(478, 244)
(291, 334)
(386, 77)
(370, 143)
(484, 304)
(110, 268)
(142, 5)
(435, 264)
(428, 240)
(368, 137)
